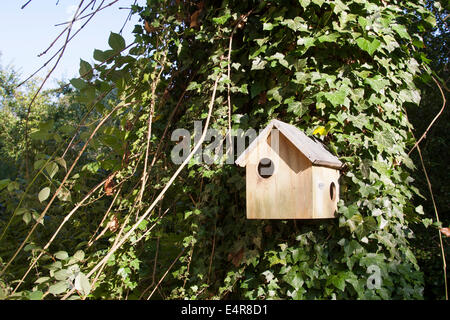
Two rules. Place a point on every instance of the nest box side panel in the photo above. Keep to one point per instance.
(287, 193)
(325, 191)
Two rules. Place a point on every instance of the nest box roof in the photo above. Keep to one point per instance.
(312, 148)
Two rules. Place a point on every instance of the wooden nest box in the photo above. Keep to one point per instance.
(289, 175)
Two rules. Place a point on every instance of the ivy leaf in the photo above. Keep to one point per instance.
(304, 3)
(296, 24)
(401, 31)
(280, 57)
(275, 94)
(267, 26)
(258, 64)
(43, 194)
(368, 46)
(294, 279)
(297, 108)
(338, 281)
(419, 210)
(221, 20)
(332, 37)
(377, 83)
(116, 41)
(362, 22)
(339, 6)
(336, 98)
(318, 2)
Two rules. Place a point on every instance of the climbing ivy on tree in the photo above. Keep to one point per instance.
(343, 71)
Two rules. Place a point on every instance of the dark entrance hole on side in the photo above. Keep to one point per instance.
(332, 191)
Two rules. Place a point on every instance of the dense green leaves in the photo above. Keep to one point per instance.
(342, 71)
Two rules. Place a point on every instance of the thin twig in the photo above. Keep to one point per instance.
(128, 17)
(25, 4)
(154, 271)
(88, 14)
(165, 274)
(124, 224)
(444, 263)
(151, 228)
(104, 217)
(434, 119)
(65, 29)
(213, 248)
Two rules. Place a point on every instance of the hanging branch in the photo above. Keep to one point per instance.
(25, 4)
(150, 120)
(444, 102)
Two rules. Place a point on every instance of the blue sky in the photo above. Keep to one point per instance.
(26, 33)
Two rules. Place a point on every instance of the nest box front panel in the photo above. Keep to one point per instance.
(278, 182)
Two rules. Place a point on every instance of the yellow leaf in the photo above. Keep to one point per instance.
(320, 130)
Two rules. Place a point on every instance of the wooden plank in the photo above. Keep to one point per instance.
(287, 194)
(324, 205)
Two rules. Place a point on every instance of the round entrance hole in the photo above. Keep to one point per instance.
(332, 191)
(265, 168)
